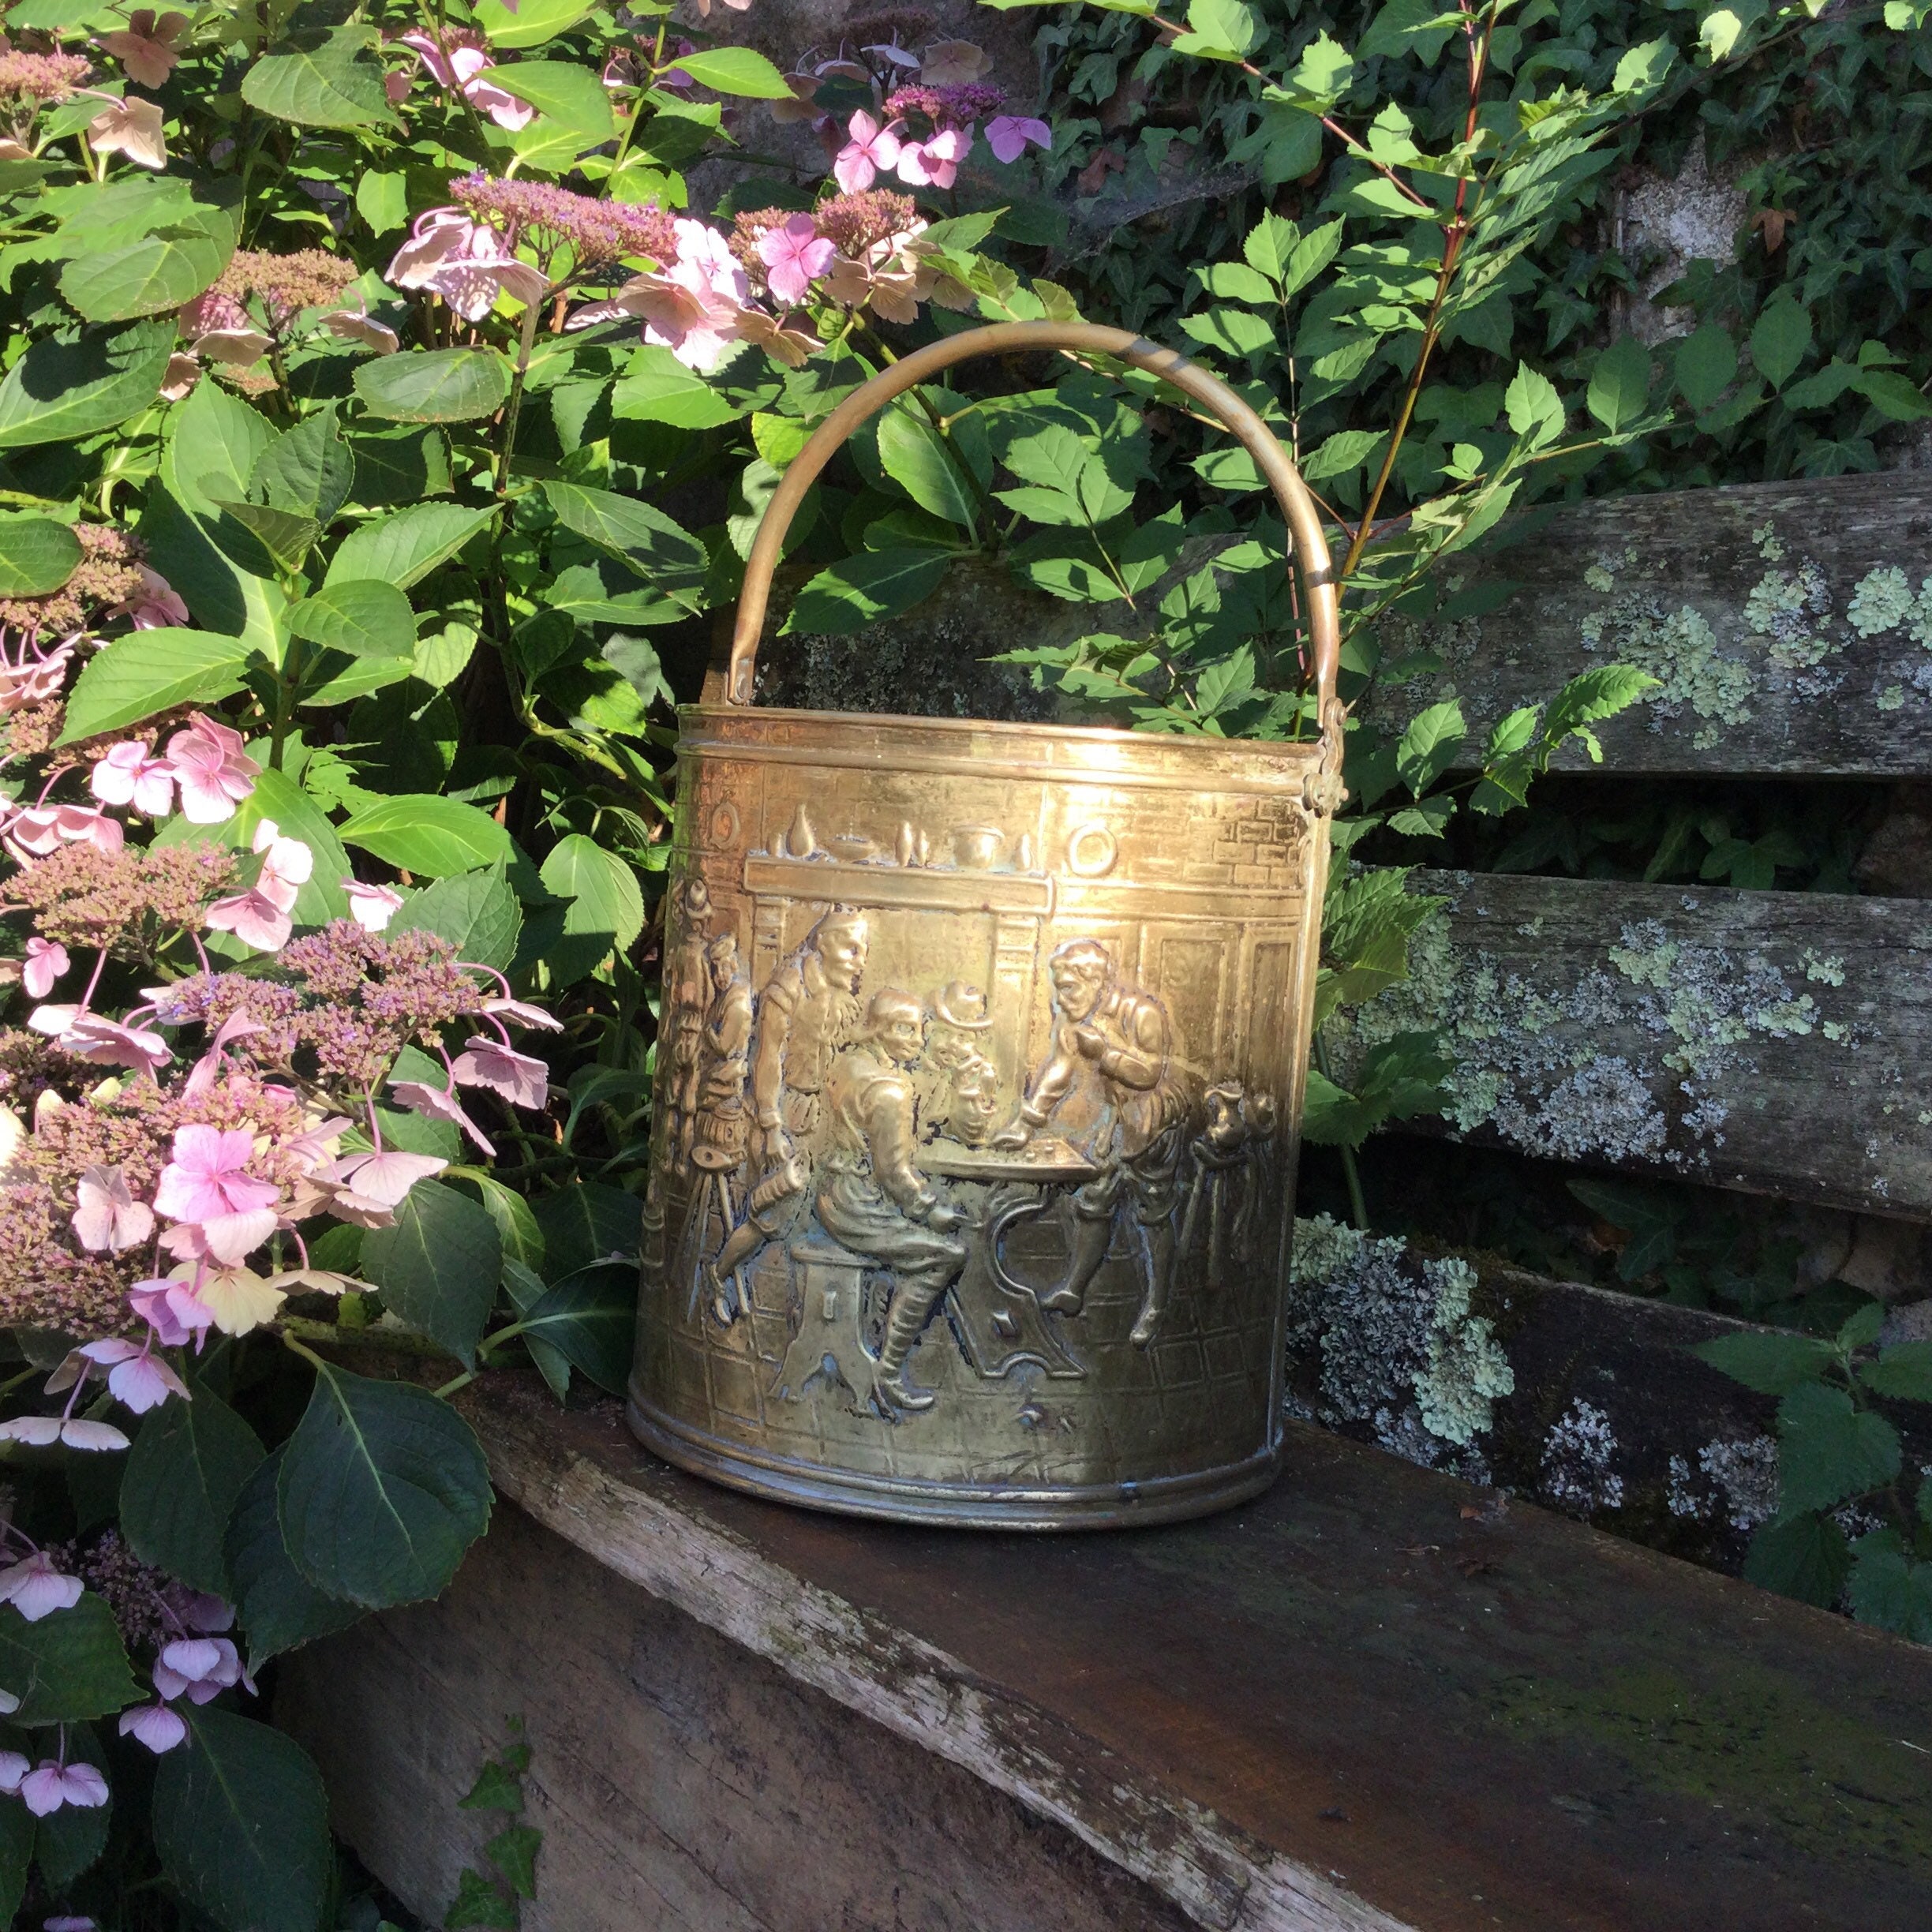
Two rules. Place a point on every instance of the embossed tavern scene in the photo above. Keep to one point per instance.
(981, 1059)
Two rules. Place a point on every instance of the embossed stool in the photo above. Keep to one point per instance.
(972, 1175)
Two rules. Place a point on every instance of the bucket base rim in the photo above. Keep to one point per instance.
(960, 1506)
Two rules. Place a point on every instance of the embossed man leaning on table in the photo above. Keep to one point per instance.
(1103, 1020)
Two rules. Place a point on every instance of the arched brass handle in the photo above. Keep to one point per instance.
(1012, 338)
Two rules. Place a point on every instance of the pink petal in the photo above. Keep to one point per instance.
(13, 1767)
(387, 1177)
(77, 1433)
(155, 1725)
(435, 1103)
(36, 1589)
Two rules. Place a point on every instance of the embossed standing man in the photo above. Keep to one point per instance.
(1103, 1020)
(871, 1195)
(808, 1010)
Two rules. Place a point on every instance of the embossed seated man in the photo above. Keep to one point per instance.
(1103, 1021)
(871, 1195)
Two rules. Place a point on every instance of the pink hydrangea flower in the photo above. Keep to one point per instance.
(212, 768)
(793, 256)
(381, 1180)
(206, 1182)
(36, 1589)
(171, 1308)
(135, 1375)
(74, 1431)
(155, 1725)
(51, 1785)
(146, 47)
(200, 1667)
(464, 262)
(133, 127)
(372, 907)
(520, 1012)
(1008, 135)
(521, 1080)
(437, 1103)
(108, 1217)
(34, 678)
(461, 62)
(40, 829)
(106, 1042)
(47, 962)
(934, 163)
(155, 606)
(694, 308)
(253, 918)
(871, 150)
(130, 774)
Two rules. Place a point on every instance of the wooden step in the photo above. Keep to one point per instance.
(1375, 1698)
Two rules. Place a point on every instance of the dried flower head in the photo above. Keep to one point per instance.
(108, 573)
(548, 217)
(284, 284)
(41, 77)
(127, 901)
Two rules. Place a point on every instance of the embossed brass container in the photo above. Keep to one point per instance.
(980, 1081)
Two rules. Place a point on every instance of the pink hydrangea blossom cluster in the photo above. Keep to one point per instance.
(458, 59)
(255, 306)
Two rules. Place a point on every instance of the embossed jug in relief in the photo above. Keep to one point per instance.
(979, 1080)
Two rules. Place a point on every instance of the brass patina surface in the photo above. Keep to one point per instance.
(982, 1054)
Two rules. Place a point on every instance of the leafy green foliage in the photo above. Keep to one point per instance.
(1835, 1450)
(190, 1462)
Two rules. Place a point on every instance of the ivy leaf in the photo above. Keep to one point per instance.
(479, 1904)
(1803, 1557)
(383, 1488)
(69, 1666)
(513, 1852)
(1780, 337)
(1829, 1451)
(321, 79)
(37, 554)
(1771, 1361)
(1619, 384)
(189, 1463)
(434, 385)
(240, 1822)
(150, 671)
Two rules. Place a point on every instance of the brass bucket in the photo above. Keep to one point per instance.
(979, 1080)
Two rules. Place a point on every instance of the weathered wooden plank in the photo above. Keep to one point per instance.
(1366, 1699)
(682, 1784)
(1773, 1042)
(1791, 624)
(1585, 1400)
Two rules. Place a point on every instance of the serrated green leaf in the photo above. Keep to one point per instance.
(653, 544)
(287, 536)
(152, 671)
(404, 548)
(278, 1607)
(79, 381)
(189, 1463)
(915, 455)
(571, 96)
(1903, 1371)
(1829, 1451)
(422, 832)
(590, 1316)
(433, 385)
(1430, 743)
(321, 78)
(36, 555)
(1804, 1557)
(1619, 384)
(1769, 1360)
(587, 1222)
(170, 265)
(437, 1267)
(240, 1822)
(308, 470)
(69, 1666)
(360, 616)
(735, 70)
(475, 911)
(383, 1488)
(863, 590)
(1705, 366)
(1780, 337)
